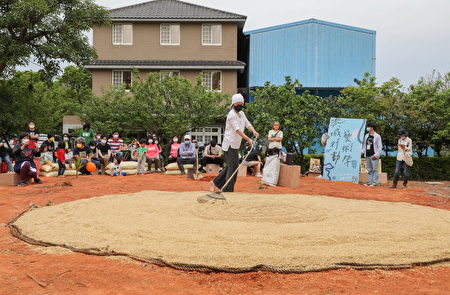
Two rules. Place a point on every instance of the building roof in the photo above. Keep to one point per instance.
(309, 21)
(160, 10)
(167, 64)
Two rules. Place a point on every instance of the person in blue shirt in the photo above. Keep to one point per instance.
(187, 154)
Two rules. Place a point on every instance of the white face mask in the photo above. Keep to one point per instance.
(116, 135)
(103, 141)
(25, 141)
(66, 138)
(31, 126)
(175, 140)
(150, 141)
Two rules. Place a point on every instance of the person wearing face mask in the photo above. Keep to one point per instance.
(104, 153)
(275, 136)
(404, 159)
(50, 143)
(152, 156)
(83, 153)
(213, 155)
(87, 133)
(34, 134)
(68, 149)
(98, 138)
(371, 150)
(95, 157)
(187, 154)
(4, 156)
(173, 150)
(234, 133)
(116, 144)
(24, 160)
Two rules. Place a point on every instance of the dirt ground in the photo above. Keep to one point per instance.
(82, 274)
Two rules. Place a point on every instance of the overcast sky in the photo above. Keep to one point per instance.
(413, 36)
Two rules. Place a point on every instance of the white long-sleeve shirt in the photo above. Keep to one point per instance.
(235, 121)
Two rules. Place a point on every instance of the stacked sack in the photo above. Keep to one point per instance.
(172, 168)
(49, 171)
(129, 167)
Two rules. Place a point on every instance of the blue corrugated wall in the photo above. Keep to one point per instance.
(320, 54)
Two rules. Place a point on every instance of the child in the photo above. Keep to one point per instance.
(46, 156)
(141, 158)
(116, 168)
(61, 158)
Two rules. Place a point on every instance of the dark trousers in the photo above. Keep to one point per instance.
(181, 162)
(97, 163)
(232, 163)
(205, 160)
(172, 160)
(398, 168)
(25, 171)
(153, 160)
(61, 168)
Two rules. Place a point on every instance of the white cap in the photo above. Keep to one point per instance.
(237, 98)
(187, 136)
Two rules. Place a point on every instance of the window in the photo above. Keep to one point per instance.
(164, 74)
(211, 34)
(205, 135)
(170, 34)
(213, 80)
(121, 77)
(122, 34)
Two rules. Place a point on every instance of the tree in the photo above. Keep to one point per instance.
(302, 117)
(48, 31)
(169, 106)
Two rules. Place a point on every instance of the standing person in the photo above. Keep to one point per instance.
(213, 155)
(173, 150)
(68, 148)
(116, 144)
(83, 153)
(4, 156)
(104, 153)
(34, 135)
(234, 133)
(87, 133)
(187, 154)
(371, 149)
(152, 155)
(404, 152)
(275, 136)
(24, 156)
(141, 157)
(61, 158)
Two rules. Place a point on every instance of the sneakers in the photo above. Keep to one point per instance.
(10, 172)
(258, 175)
(404, 185)
(22, 184)
(202, 170)
(38, 181)
(393, 186)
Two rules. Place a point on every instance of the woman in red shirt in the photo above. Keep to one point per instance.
(173, 150)
(153, 156)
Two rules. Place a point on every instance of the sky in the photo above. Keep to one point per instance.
(413, 36)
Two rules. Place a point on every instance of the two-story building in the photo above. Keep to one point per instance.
(170, 37)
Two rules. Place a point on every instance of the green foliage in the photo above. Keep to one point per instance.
(30, 96)
(78, 166)
(169, 106)
(47, 31)
(302, 117)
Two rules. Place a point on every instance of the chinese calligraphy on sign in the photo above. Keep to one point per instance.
(343, 149)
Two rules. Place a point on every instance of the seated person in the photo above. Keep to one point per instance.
(153, 156)
(83, 153)
(212, 155)
(46, 157)
(116, 168)
(4, 156)
(116, 145)
(24, 156)
(104, 153)
(133, 146)
(173, 150)
(187, 154)
(253, 161)
(50, 143)
(95, 158)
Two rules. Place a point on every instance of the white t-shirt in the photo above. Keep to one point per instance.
(235, 121)
(275, 144)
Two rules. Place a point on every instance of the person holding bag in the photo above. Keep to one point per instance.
(404, 158)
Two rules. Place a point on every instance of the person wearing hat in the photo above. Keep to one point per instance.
(24, 157)
(404, 151)
(187, 154)
(371, 149)
(234, 133)
(83, 153)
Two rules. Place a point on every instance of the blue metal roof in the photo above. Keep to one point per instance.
(319, 54)
(309, 21)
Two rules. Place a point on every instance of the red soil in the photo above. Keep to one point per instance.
(83, 274)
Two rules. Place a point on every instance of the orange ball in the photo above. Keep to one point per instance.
(90, 167)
